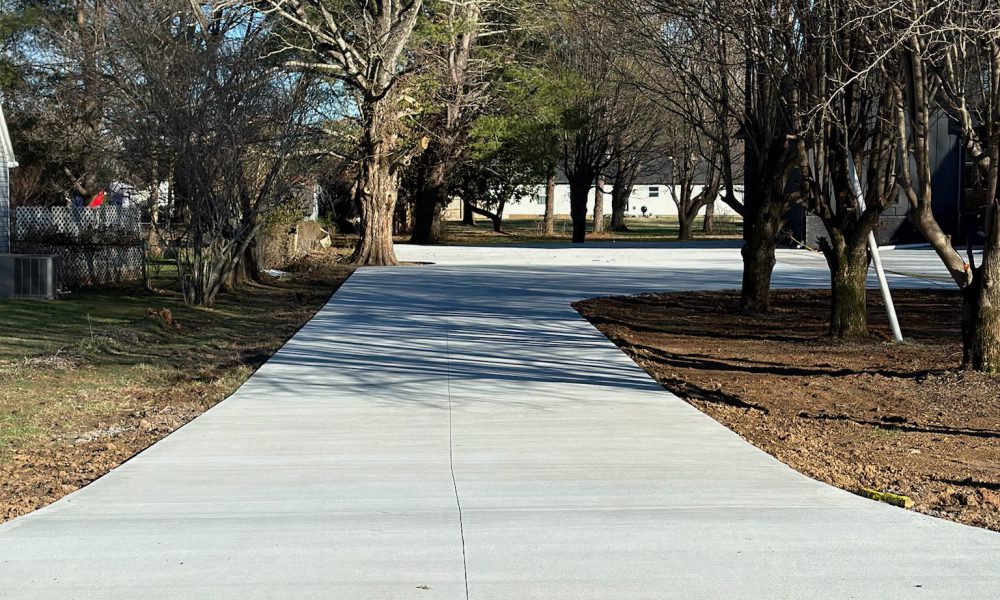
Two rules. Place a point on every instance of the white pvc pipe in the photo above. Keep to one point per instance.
(890, 308)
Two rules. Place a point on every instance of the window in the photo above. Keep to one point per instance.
(540, 195)
(654, 191)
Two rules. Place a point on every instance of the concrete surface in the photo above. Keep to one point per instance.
(456, 431)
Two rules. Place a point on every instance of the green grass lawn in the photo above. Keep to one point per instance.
(105, 360)
(527, 230)
(103, 340)
(521, 230)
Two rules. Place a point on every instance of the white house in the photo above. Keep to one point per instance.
(654, 197)
(7, 162)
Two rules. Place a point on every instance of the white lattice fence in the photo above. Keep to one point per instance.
(98, 245)
(103, 225)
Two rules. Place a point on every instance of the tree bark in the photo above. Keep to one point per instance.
(429, 222)
(983, 338)
(375, 231)
(378, 186)
(621, 192)
(549, 221)
(496, 218)
(430, 200)
(246, 270)
(708, 225)
(848, 277)
(759, 242)
(619, 206)
(579, 189)
(401, 218)
(599, 204)
(981, 318)
(468, 215)
(686, 226)
(758, 263)
(685, 207)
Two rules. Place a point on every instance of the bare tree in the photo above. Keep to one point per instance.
(844, 112)
(585, 155)
(721, 66)
(695, 176)
(636, 139)
(791, 78)
(193, 90)
(549, 217)
(597, 110)
(950, 56)
(598, 226)
(362, 44)
(627, 166)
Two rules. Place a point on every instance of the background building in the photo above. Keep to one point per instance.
(7, 162)
(651, 193)
(957, 205)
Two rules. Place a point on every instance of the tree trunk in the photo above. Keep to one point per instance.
(153, 235)
(245, 271)
(848, 276)
(378, 186)
(759, 243)
(982, 329)
(685, 208)
(686, 226)
(401, 220)
(599, 205)
(375, 231)
(579, 189)
(549, 221)
(468, 216)
(345, 210)
(708, 225)
(430, 200)
(621, 193)
(496, 218)
(619, 206)
(981, 318)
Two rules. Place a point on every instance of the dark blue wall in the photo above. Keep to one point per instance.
(946, 169)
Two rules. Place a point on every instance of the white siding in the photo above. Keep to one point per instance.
(7, 161)
(4, 207)
(663, 205)
(6, 149)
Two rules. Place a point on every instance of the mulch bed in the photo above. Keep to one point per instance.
(863, 414)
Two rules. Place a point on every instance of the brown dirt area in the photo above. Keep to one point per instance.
(88, 382)
(867, 414)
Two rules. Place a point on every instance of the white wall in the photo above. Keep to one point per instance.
(4, 206)
(656, 199)
(7, 162)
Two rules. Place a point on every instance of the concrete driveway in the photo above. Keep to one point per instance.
(458, 431)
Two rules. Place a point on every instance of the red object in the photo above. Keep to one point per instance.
(98, 199)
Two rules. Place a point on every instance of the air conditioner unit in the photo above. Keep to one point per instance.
(29, 276)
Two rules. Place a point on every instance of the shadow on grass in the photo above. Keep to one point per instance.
(115, 320)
